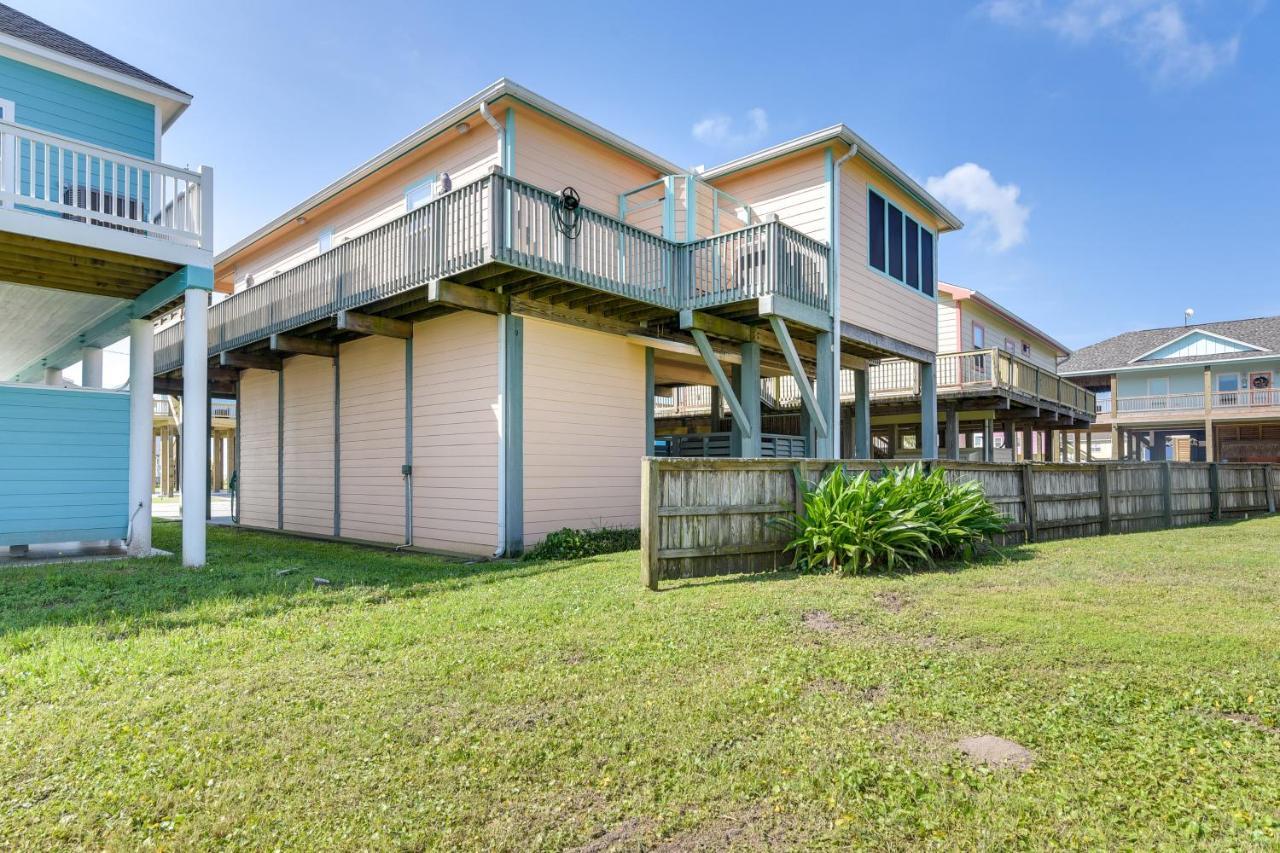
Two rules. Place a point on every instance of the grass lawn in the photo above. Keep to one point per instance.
(414, 703)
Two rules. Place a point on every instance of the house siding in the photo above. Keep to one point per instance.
(584, 429)
(47, 101)
(551, 155)
(259, 443)
(997, 331)
(455, 434)
(308, 444)
(794, 188)
(372, 422)
(64, 465)
(868, 298)
(467, 158)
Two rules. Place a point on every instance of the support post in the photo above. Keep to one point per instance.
(1028, 442)
(953, 433)
(648, 402)
(91, 367)
(862, 414)
(141, 441)
(511, 329)
(828, 387)
(195, 390)
(928, 412)
(988, 440)
(53, 376)
(748, 393)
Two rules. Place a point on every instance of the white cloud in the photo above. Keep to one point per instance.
(720, 130)
(994, 207)
(1154, 33)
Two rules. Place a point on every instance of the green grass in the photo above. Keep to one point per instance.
(415, 703)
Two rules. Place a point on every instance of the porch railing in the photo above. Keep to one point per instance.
(508, 221)
(1248, 398)
(44, 173)
(1160, 403)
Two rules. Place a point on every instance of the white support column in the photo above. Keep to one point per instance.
(928, 412)
(53, 376)
(91, 367)
(195, 450)
(141, 446)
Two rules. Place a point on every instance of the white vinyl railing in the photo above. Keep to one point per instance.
(1248, 398)
(1160, 403)
(43, 173)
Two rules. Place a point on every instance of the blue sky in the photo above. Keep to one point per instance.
(1116, 160)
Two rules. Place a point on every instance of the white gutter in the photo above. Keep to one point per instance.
(835, 293)
(497, 128)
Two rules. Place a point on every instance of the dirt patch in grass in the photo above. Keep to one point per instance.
(821, 621)
(997, 752)
(871, 695)
(891, 601)
(625, 835)
(1253, 721)
(753, 828)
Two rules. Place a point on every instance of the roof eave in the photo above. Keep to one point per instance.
(844, 134)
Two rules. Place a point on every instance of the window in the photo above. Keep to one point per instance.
(899, 246)
(1228, 382)
(1026, 348)
(326, 240)
(416, 195)
(979, 336)
(1008, 345)
(7, 110)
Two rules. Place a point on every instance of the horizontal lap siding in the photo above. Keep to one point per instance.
(553, 156)
(455, 434)
(259, 440)
(794, 188)
(997, 330)
(64, 465)
(372, 424)
(308, 444)
(378, 200)
(584, 429)
(868, 298)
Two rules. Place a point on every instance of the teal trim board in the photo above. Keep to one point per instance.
(64, 463)
(509, 145)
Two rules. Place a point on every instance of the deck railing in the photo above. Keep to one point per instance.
(1248, 398)
(1160, 403)
(49, 174)
(1156, 404)
(962, 371)
(502, 219)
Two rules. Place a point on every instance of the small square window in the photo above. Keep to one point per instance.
(416, 195)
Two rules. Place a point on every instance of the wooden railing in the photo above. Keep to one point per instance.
(502, 219)
(50, 174)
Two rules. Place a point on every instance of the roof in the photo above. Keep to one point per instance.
(842, 133)
(964, 293)
(1119, 352)
(487, 95)
(27, 28)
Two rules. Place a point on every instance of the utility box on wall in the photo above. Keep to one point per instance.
(64, 464)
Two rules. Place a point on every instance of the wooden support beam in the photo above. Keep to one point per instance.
(709, 324)
(367, 324)
(797, 372)
(250, 360)
(722, 381)
(456, 295)
(303, 346)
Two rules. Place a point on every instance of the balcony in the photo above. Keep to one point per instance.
(985, 373)
(498, 225)
(57, 191)
(1264, 402)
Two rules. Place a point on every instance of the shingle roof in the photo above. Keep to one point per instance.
(27, 28)
(1105, 356)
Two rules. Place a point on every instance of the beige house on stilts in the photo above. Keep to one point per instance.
(457, 345)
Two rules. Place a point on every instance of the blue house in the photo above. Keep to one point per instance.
(97, 238)
(1203, 392)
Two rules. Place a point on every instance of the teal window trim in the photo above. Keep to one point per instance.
(906, 217)
(509, 144)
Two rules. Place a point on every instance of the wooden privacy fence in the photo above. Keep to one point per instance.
(704, 517)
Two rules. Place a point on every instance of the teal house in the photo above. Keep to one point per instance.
(98, 237)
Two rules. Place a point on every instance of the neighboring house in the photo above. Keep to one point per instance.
(167, 426)
(97, 238)
(1205, 392)
(997, 387)
(441, 348)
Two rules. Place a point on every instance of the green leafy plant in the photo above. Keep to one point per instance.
(904, 518)
(570, 544)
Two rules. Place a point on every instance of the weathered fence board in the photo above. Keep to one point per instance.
(706, 516)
